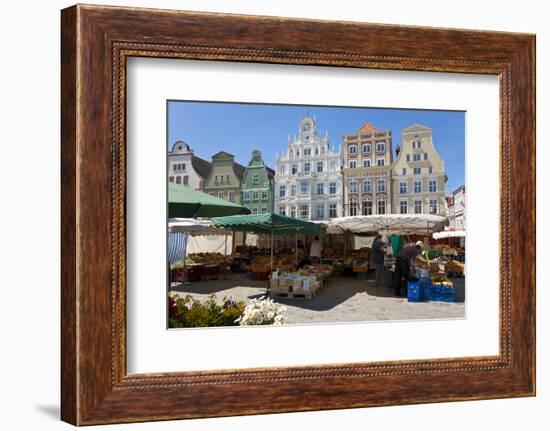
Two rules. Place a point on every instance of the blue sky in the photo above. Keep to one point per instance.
(239, 128)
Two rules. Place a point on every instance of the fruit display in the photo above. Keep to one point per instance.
(282, 262)
(318, 270)
(362, 253)
(207, 258)
(330, 253)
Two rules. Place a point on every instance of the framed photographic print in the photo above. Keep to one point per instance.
(323, 214)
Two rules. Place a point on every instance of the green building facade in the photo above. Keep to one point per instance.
(257, 186)
(225, 178)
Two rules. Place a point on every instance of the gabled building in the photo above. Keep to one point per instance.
(456, 208)
(308, 181)
(225, 177)
(185, 168)
(366, 170)
(418, 174)
(257, 186)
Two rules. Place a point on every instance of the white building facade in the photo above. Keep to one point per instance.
(418, 174)
(308, 179)
(457, 208)
(185, 168)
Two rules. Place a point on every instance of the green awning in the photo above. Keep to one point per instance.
(188, 203)
(268, 223)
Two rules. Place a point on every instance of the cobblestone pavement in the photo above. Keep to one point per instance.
(342, 299)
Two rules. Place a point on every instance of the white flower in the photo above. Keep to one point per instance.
(263, 312)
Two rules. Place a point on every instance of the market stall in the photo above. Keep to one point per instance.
(193, 267)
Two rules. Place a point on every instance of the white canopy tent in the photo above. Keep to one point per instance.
(195, 227)
(450, 234)
(422, 224)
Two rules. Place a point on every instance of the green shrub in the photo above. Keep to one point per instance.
(188, 312)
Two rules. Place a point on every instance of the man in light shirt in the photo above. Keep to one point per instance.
(315, 251)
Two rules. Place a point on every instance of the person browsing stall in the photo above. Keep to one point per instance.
(405, 265)
(315, 250)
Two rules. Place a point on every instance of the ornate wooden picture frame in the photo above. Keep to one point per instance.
(96, 42)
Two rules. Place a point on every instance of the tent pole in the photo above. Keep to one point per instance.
(225, 247)
(272, 251)
(296, 249)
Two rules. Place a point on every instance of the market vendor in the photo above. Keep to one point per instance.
(378, 258)
(315, 250)
(405, 265)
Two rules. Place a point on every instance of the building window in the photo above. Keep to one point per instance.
(416, 171)
(304, 187)
(231, 196)
(418, 144)
(264, 210)
(416, 157)
(425, 156)
(294, 169)
(254, 210)
(408, 157)
(264, 195)
(430, 169)
(307, 166)
(380, 162)
(432, 186)
(380, 185)
(320, 189)
(293, 190)
(403, 207)
(171, 179)
(404, 171)
(319, 166)
(256, 195)
(282, 170)
(333, 167)
(212, 193)
(366, 148)
(367, 207)
(178, 180)
(226, 178)
(282, 210)
(403, 187)
(366, 186)
(320, 211)
(332, 188)
(418, 186)
(353, 208)
(293, 211)
(255, 179)
(304, 211)
(353, 163)
(332, 210)
(352, 149)
(381, 206)
(418, 207)
(353, 186)
(366, 163)
(380, 146)
(246, 196)
(282, 191)
(433, 206)
(186, 180)
(221, 195)
(307, 151)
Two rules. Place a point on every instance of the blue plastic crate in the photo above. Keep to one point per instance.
(413, 291)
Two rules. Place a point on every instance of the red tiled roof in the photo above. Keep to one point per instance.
(367, 127)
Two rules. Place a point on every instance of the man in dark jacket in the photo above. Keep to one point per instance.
(404, 264)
